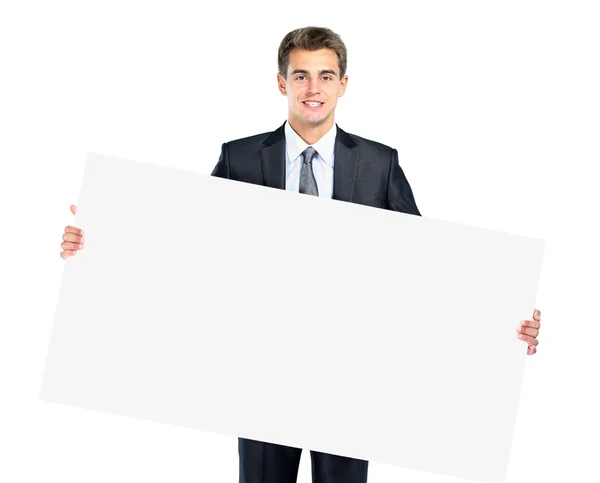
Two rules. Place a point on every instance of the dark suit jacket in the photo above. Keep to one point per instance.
(365, 172)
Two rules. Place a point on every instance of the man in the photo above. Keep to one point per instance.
(310, 154)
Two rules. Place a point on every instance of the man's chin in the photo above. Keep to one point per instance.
(314, 120)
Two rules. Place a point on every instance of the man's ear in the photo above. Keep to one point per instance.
(281, 84)
(343, 84)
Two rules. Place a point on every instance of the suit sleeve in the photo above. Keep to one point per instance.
(223, 169)
(399, 193)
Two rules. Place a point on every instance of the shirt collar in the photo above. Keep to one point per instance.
(325, 146)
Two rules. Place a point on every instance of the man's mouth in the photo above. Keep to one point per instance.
(312, 103)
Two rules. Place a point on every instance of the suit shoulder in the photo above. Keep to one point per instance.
(369, 143)
(249, 141)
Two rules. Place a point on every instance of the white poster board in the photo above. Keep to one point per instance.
(315, 323)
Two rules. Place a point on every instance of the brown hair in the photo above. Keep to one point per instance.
(311, 38)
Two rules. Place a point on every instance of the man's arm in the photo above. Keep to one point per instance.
(399, 194)
(222, 169)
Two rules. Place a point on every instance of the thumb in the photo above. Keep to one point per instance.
(73, 209)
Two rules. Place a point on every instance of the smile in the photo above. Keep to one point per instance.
(313, 104)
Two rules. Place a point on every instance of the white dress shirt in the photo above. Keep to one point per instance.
(322, 162)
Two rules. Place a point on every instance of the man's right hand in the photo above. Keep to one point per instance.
(72, 239)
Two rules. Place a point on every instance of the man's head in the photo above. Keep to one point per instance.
(312, 67)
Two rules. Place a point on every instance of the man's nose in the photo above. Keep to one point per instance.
(313, 86)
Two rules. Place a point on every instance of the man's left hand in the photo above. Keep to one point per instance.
(529, 330)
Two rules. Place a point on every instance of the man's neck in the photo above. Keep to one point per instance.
(310, 134)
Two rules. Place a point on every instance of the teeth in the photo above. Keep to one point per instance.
(313, 104)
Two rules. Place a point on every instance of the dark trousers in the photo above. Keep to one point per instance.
(272, 463)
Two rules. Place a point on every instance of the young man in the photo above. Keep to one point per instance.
(310, 154)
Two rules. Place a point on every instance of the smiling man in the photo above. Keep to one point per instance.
(310, 154)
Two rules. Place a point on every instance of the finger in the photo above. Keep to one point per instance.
(531, 351)
(67, 253)
(528, 331)
(74, 230)
(71, 246)
(73, 209)
(536, 324)
(70, 237)
(531, 341)
(537, 315)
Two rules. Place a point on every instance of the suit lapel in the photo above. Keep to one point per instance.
(345, 167)
(273, 159)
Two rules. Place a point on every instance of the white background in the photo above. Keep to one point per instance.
(493, 106)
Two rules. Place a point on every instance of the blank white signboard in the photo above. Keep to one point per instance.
(315, 323)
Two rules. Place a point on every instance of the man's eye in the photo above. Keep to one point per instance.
(326, 77)
(300, 77)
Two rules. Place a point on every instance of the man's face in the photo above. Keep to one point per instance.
(312, 85)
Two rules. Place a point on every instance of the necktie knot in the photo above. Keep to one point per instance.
(309, 154)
